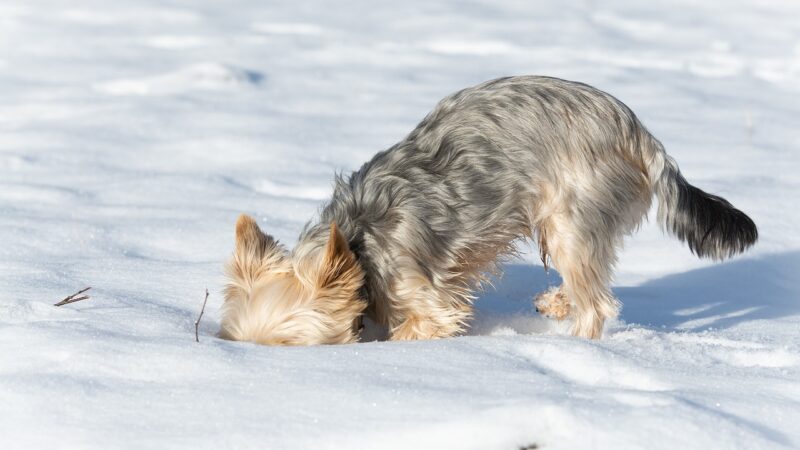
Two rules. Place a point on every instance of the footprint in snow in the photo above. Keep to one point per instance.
(205, 76)
(770, 358)
(594, 366)
(741, 353)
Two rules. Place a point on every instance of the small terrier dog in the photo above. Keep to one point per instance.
(408, 238)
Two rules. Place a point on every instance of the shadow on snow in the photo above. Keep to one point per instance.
(719, 296)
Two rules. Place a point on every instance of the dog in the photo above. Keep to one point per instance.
(408, 238)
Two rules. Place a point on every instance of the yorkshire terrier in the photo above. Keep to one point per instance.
(407, 239)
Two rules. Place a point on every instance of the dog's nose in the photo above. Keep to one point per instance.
(537, 309)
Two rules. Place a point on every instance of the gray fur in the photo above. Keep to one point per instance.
(517, 158)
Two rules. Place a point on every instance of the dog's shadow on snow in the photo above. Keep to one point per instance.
(718, 296)
(507, 308)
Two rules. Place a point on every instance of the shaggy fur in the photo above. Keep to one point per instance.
(274, 300)
(408, 238)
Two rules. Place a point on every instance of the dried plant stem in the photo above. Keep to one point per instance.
(76, 297)
(197, 322)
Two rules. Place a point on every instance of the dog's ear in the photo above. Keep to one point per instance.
(255, 253)
(339, 262)
(250, 238)
(249, 235)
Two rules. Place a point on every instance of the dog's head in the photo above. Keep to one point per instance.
(308, 297)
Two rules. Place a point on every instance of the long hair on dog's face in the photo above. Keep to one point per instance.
(305, 298)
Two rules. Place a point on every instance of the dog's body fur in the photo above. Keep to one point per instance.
(409, 236)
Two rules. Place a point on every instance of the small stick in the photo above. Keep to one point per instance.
(197, 322)
(76, 297)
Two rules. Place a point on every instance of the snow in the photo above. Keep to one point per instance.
(132, 135)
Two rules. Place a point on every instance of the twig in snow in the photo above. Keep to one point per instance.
(76, 297)
(197, 322)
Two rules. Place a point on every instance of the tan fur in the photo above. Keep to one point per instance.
(420, 310)
(274, 299)
(553, 303)
(584, 263)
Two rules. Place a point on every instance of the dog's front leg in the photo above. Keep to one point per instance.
(419, 310)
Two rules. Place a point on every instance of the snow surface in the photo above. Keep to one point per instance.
(133, 132)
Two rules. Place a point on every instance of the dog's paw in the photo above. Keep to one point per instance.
(553, 304)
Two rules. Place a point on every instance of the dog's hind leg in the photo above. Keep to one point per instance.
(584, 256)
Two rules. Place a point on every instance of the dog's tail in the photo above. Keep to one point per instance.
(711, 226)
